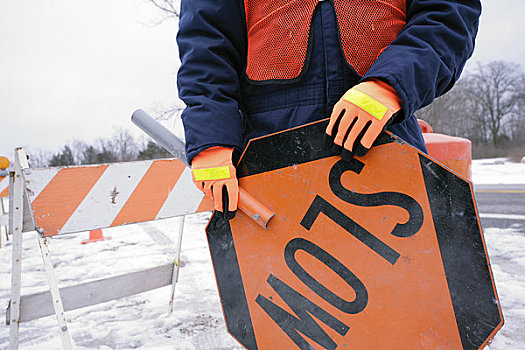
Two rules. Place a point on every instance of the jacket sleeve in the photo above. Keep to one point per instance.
(212, 49)
(427, 57)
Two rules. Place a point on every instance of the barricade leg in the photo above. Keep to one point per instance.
(176, 263)
(16, 222)
(55, 294)
(16, 277)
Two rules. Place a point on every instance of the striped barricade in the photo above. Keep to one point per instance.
(55, 201)
(4, 192)
(80, 198)
(4, 186)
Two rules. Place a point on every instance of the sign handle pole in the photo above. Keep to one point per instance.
(55, 294)
(176, 263)
(16, 223)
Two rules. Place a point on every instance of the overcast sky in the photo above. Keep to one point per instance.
(74, 69)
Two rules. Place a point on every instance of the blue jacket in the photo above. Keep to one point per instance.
(225, 108)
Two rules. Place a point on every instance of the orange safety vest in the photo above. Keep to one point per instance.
(278, 32)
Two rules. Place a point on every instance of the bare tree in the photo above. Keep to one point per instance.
(124, 145)
(39, 158)
(78, 148)
(163, 113)
(485, 105)
(105, 151)
(452, 113)
(516, 124)
(495, 88)
(168, 8)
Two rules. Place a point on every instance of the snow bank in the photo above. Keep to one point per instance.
(497, 171)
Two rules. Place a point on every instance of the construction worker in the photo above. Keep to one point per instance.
(253, 67)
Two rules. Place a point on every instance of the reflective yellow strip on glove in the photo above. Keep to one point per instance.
(361, 115)
(367, 103)
(218, 173)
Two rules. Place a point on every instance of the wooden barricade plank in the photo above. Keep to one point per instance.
(74, 199)
(38, 305)
(4, 186)
(4, 190)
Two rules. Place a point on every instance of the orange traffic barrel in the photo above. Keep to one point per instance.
(453, 152)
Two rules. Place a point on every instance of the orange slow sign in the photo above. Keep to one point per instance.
(383, 252)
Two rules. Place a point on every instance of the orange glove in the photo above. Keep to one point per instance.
(360, 116)
(214, 174)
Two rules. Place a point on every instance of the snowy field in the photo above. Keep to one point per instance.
(142, 321)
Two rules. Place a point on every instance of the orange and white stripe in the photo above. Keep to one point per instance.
(81, 198)
(4, 192)
(4, 186)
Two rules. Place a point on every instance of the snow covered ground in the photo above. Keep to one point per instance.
(497, 171)
(142, 322)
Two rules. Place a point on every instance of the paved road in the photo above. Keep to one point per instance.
(501, 205)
